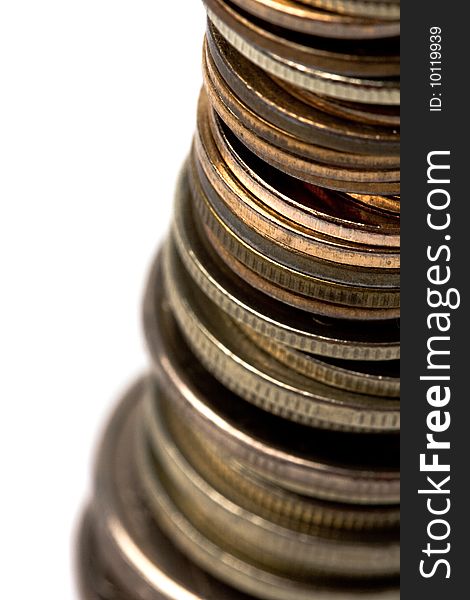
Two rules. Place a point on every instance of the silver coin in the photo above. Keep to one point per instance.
(311, 462)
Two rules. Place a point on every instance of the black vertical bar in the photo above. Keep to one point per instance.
(424, 131)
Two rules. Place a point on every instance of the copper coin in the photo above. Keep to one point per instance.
(322, 336)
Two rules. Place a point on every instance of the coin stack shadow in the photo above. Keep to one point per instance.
(260, 458)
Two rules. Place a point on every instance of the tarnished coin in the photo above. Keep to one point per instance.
(307, 304)
(384, 203)
(310, 207)
(336, 163)
(264, 270)
(213, 555)
(358, 280)
(352, 112)
(357, 58)
(349, 284)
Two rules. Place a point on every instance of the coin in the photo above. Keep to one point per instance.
(311, 462)
(247, 371)
(225, 224)
(384, 9)
(93, 580)
(261, 541)
(291, 15)
(388, 204)
(310, 207)
(351, 112)
(380, 379)
(334, 338)
(343, 155)
(294, 161)
(358, 58)
(298, 512)
(223, 188)
(239, 483)
(308, 304)
(294, 111)
(214, 557)
(142, 559)
(372, 91)
(233, 248)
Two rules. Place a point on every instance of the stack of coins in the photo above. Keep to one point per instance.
(260, 458)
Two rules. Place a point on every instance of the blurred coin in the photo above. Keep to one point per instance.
(140, 557)
(212, 555)
(269, 545)
(92, 578)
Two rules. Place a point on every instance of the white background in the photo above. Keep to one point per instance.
(97, 109)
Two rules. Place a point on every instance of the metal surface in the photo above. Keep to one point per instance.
(259, 458)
